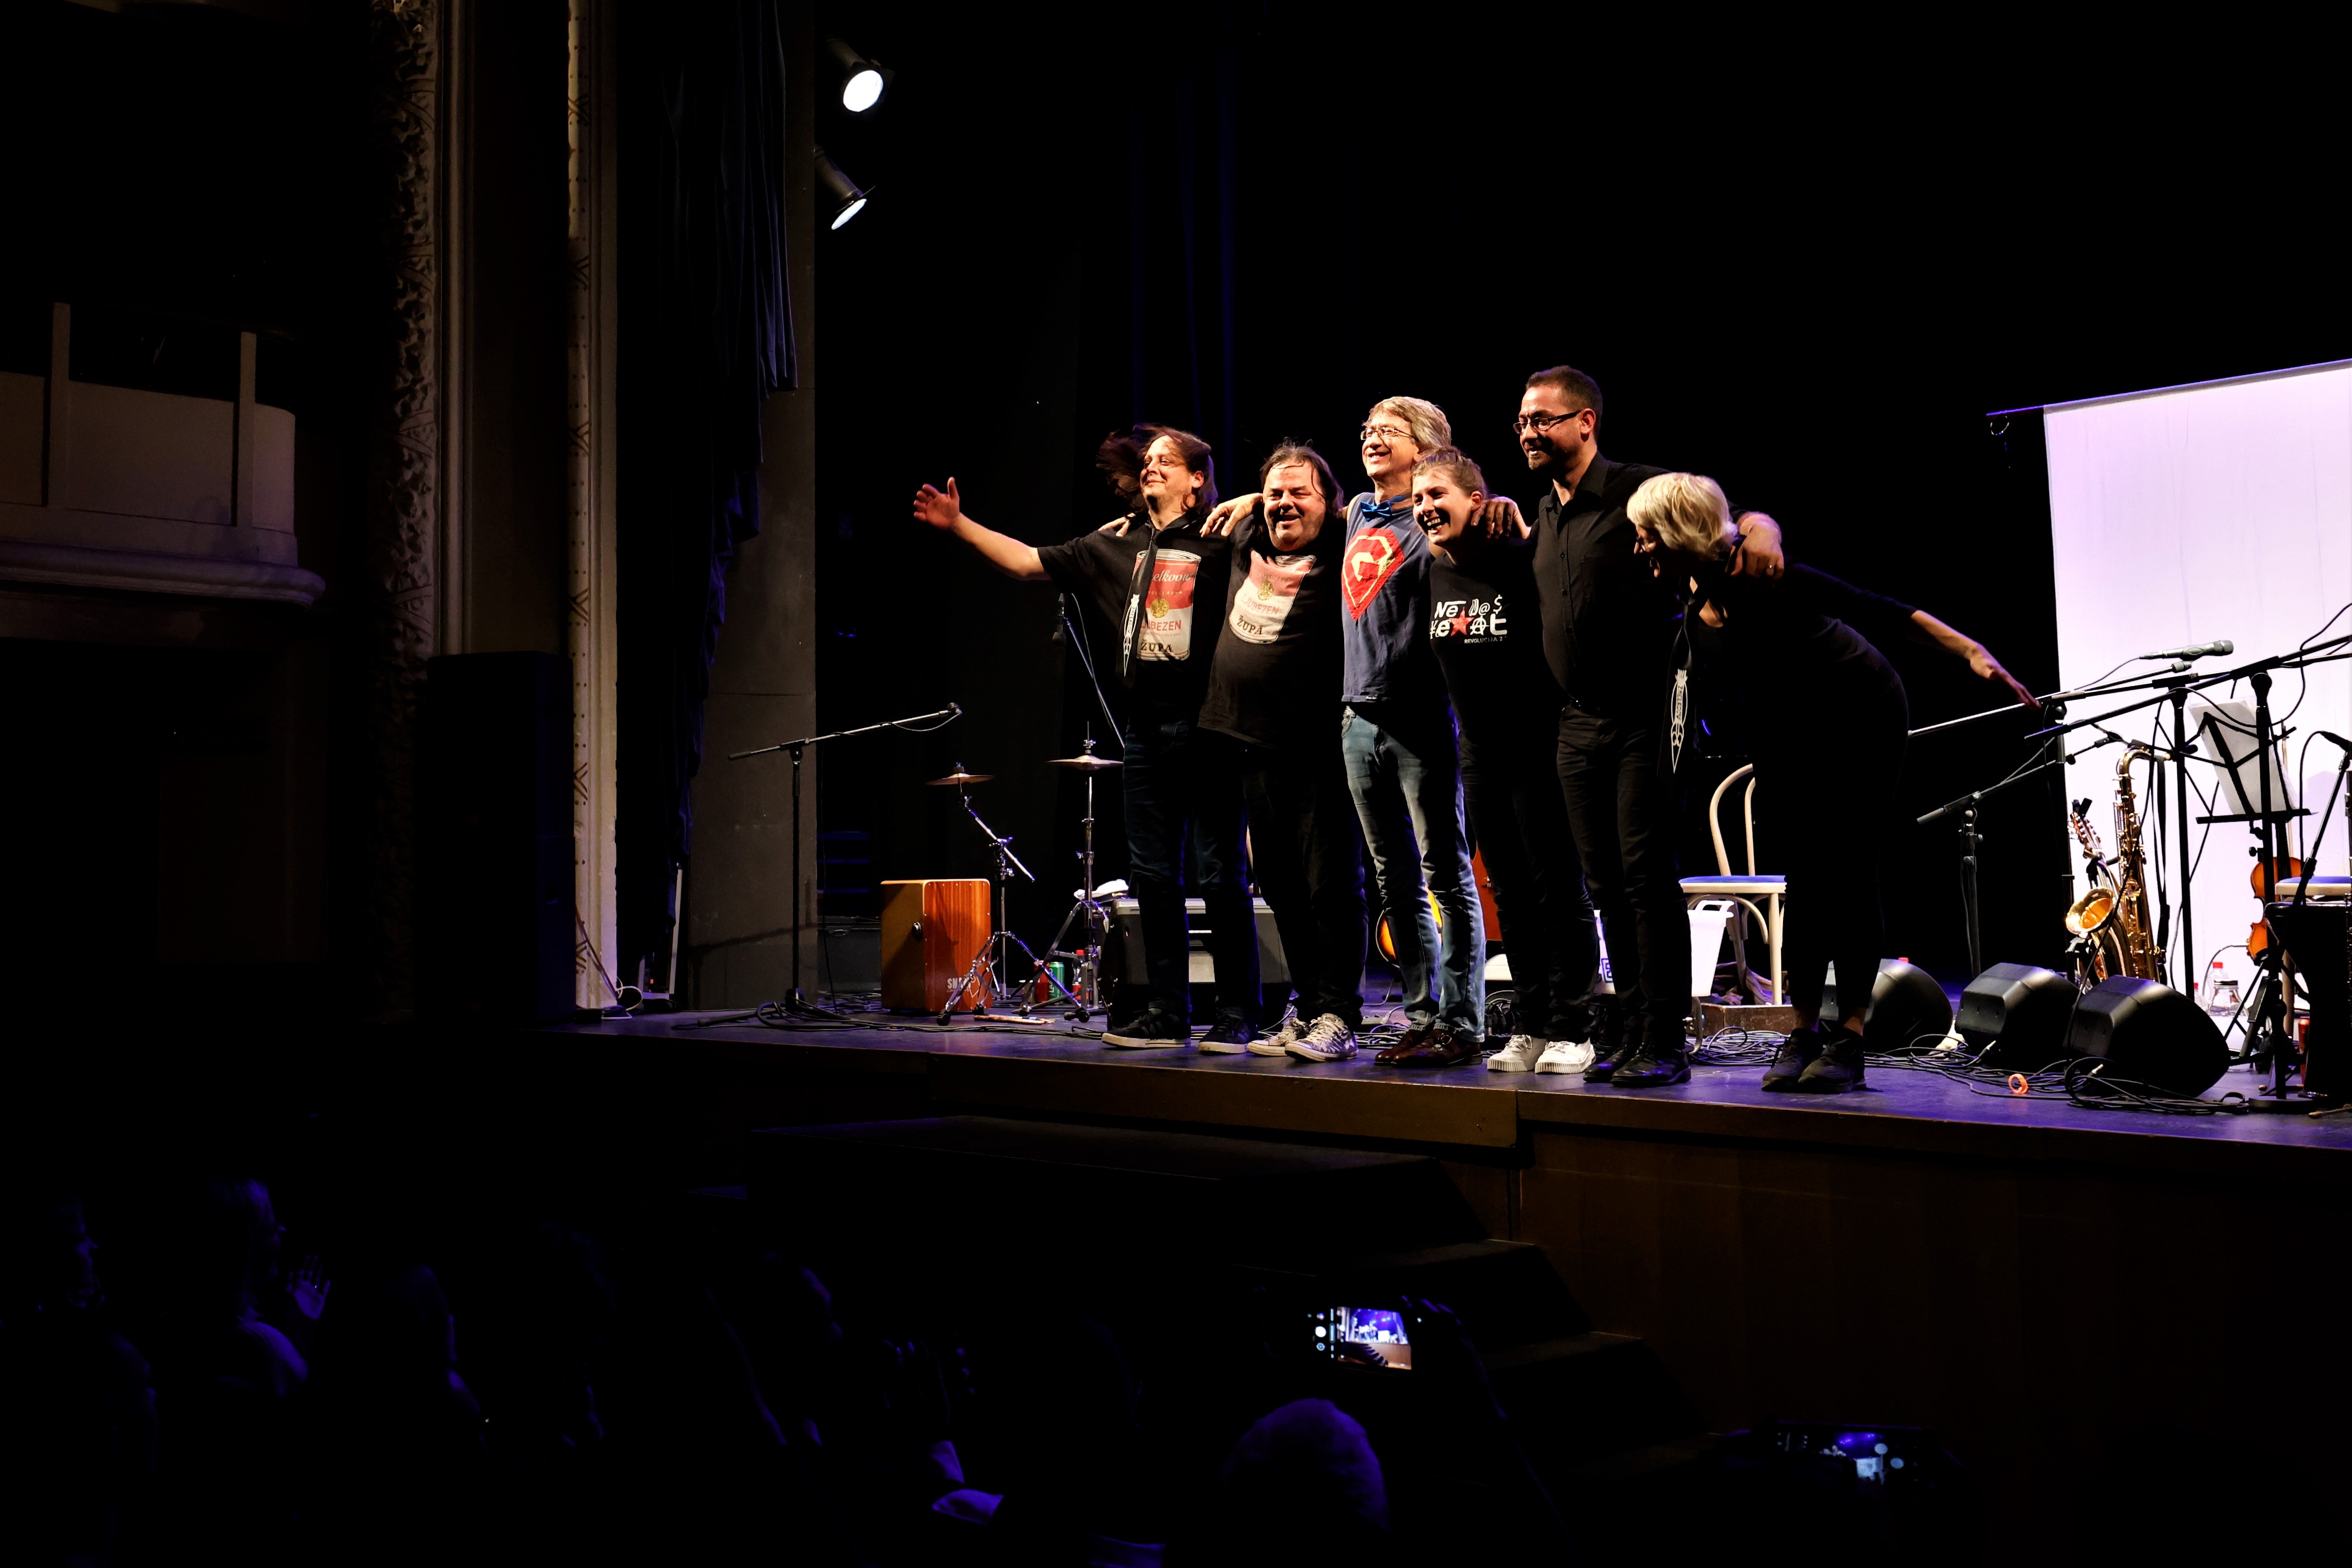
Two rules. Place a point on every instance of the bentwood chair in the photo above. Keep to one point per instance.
(1744, 891)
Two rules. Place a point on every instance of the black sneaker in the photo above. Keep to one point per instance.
(1839, 1066)
(1229, 1036)
(1154, 1028)
(1651, 1067)
(1791, 1058)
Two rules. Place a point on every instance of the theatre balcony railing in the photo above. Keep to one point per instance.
(155, 492)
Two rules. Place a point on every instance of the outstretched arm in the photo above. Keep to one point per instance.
(1927, 629)
(1759, 553)
(943, 510)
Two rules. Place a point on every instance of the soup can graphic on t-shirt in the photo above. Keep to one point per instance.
(1165, 633)
(1265, 601)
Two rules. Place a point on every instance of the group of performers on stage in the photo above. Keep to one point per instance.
(1541, 675)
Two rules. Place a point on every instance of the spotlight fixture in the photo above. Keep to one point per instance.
(837, 191)
(862, 81)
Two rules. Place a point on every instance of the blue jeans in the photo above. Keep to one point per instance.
(1178, 798)
(1407, 786)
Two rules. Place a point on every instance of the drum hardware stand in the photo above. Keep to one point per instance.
(795, 1002)
(1085, 998)
(985, 981)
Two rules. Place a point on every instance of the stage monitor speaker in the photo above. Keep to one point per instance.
(2318, 942)
(498, 941)
(1123, 954)
(932, 930)
(2148, 1034)
(2015, 1015)
(1907, 1005)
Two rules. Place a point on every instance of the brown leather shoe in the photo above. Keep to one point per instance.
(1412, 1040)
(1441, 1048)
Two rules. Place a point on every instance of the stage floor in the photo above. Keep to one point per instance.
(1049, 1069)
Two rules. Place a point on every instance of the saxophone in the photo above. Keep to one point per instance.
(2140, 957)
(2110, 923)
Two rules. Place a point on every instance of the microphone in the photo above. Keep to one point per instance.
(2194, 651)
(2344, 745)
(1061, 616)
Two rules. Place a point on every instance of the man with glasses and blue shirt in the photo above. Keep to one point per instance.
(1397, 737)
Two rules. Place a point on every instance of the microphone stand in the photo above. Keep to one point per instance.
(1972, 841)
(795, 1002)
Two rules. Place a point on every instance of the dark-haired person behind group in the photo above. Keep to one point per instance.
(1273, 714)
(1826, 721)
(1487, 634)
(1143, 588)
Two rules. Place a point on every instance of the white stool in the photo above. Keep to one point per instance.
(1744, 891)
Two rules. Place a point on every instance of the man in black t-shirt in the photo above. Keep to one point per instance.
(1273, 708)
(1487, 633)
(1146, 587)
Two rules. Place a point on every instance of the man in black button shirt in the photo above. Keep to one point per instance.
(1156, 591)
(1609, 630)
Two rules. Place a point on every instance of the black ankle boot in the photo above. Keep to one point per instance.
(1790, 1059)
(1652, 1067)
(1839, 1066)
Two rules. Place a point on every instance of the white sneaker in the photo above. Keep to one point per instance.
(1520, 1056)
(1327, 1039)
(1564, 1056)
(1283, 1037)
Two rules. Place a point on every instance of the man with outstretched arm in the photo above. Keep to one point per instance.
(1397, 735)
(1142, 586)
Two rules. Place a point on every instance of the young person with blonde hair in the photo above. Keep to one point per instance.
(1825, 719)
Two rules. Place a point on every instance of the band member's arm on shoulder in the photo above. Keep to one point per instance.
(943, 510)
(1759, 553)
(1224, 515)
(1934, 633)
(1499, 516)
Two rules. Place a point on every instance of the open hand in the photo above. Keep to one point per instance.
(1758, 554)
(1500, 519)
(1224, 515)
(1990, 668)
(940, 508)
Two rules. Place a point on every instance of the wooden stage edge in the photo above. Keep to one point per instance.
(1051, 1073)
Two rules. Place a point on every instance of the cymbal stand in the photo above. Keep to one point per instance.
(984, 982)
(1085, 998)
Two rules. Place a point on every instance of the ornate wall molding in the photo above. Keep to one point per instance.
(404, 489)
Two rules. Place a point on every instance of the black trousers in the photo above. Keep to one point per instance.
(1621, 810)
(1510, 777)
(1184, 831)
(1307, 853)
(1830, 815)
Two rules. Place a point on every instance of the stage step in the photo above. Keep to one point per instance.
(996, 1184)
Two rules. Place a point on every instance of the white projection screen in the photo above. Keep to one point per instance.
(2197, 513)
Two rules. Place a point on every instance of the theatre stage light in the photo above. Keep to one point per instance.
(838, 192)
(862, 81)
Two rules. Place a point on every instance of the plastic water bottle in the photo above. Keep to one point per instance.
(2221, 1001)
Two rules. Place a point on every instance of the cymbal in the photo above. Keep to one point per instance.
(962, 777)
(1090, 763)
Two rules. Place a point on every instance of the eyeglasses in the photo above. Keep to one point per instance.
(1539, 422)
(1386, 431)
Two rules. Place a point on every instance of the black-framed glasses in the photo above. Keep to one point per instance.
(1539, 422)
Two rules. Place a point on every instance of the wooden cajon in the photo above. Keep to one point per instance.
(932, 930)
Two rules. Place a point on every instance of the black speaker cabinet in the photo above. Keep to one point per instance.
(2318, 945)
(1907, 1005)
(2148, 1034)
(496, 935)
(2015, 1015)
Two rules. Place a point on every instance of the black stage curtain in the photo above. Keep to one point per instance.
(707, 334)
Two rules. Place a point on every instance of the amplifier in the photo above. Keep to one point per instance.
(2318, 943)
(1125, 948)
(931, 931)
